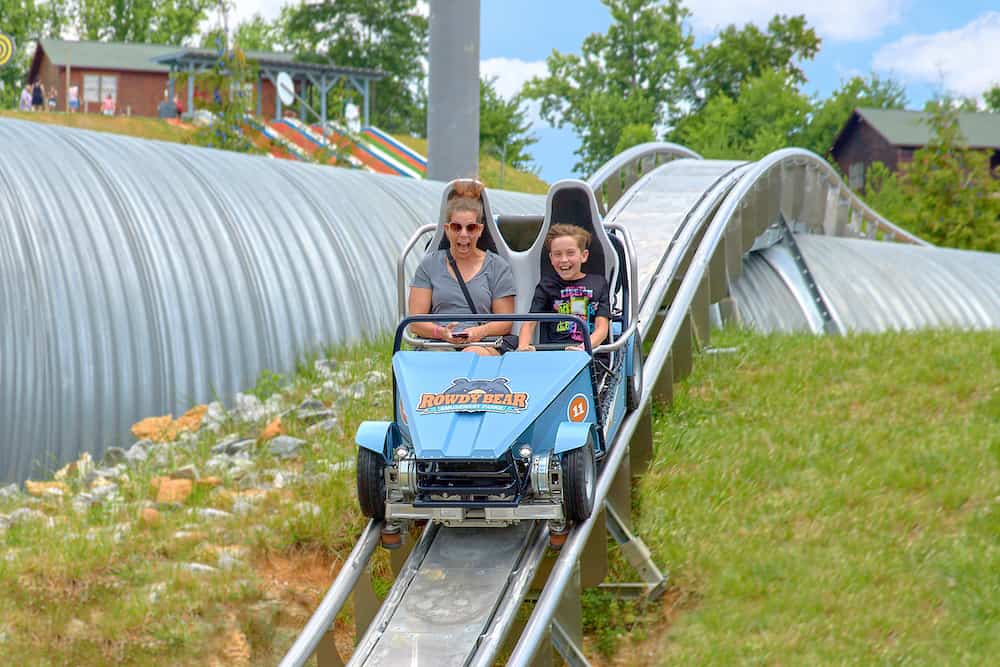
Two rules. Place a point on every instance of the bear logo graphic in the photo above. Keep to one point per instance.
(467, 386)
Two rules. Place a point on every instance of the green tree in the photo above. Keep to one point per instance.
(503, 127)
(228, 85)
(633, 135)
(946, 193)
(389, 35)
(829, 115)
(769, 114)
(737, 55)
(256, 34)
(25, 21)
(629, 76)
(992, 98)
(152, 21)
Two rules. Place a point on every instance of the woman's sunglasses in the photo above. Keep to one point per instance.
(470, 228)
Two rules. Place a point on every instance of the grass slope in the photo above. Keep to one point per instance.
(831, 501)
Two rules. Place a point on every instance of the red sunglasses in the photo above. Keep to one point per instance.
(470, 228)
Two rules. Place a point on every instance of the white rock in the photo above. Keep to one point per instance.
(306, 507)
(156, 591)
(211, 513)
(197, 568)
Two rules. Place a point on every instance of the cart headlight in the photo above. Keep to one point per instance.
(402, 452)
(524, 452)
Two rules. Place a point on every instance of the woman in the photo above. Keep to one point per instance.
(487, 276)
(37, 96)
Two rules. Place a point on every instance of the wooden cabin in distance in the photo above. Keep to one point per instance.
(891, 136)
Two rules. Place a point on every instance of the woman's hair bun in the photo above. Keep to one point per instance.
(467, 187)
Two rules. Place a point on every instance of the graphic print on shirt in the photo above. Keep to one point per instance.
(575, 300)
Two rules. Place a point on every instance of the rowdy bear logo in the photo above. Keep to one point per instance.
(465, 395)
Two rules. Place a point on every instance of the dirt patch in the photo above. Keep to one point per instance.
(650, 650)
(299, 580)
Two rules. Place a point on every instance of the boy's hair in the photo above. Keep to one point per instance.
(578, 234)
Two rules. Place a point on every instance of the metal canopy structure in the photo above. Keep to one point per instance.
(320, 76)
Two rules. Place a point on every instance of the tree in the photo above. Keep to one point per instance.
(389, 35)
(152, 21)
(946, 193)
(738, 55)
(633, 135)
(629, 76)
(992, 99)
(25, 21)
(256, 34)
(830, 115)
(503, 127)
(769, 114)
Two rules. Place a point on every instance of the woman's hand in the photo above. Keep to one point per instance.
(525, 348)
(474, 334)
(574, 348)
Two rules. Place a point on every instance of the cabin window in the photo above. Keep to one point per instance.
(98, 86)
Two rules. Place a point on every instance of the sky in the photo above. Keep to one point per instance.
(931, 47)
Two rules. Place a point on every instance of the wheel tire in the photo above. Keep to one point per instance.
(579, 482)
(371, 483)
(633, 390)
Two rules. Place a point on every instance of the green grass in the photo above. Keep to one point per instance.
(831, 501)
(489, 170)
(75, 594)
(815, 501)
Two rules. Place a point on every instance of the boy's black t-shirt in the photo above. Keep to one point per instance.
(587, 297)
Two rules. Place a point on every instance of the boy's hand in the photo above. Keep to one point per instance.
(575, 348)
(525, 348)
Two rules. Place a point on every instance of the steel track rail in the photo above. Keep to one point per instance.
(697, 240)
(738, 187)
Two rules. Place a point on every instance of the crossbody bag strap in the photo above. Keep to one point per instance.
(461, 283)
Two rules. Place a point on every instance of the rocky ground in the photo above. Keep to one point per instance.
(209, 539)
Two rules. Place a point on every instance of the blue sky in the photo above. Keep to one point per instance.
(928, 45)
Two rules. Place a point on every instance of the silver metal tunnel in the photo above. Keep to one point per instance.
(139, 278)
(871, 286)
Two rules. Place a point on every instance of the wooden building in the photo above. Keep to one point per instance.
(891, 136)
(137, 76)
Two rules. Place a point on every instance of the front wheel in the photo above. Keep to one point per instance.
(579, 481)
(371, 483)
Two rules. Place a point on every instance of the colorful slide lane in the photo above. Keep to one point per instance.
(373, 136)
(373, 149)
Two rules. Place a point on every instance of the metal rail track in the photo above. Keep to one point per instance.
(722, 211)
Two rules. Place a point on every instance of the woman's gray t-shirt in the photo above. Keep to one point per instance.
(493, 281)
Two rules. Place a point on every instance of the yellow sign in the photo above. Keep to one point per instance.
(7, 49)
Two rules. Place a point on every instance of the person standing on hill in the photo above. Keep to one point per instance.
(37, 96)
(25, 103)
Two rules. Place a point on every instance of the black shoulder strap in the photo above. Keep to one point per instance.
(461, 283)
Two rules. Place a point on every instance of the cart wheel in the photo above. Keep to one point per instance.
(579, 474)
(633, 390)
(371, 483)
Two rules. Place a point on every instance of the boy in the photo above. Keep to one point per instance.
(570, 291)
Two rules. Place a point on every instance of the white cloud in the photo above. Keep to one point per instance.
(244, 10)
(512, 74)
(836, 20)
(962, 60)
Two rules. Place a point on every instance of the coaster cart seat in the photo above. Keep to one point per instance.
(495, 440)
